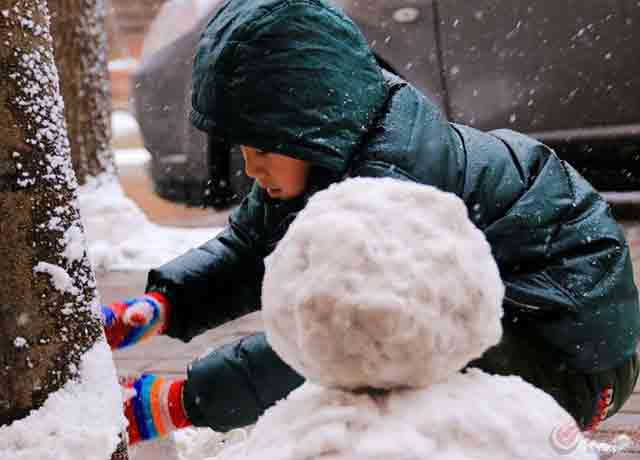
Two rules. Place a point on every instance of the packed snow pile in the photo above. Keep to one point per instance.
(470, 416)
(187, 444)
(83, 420)
(202, 443)
(386, 285)
(119, 235)
(381, 283)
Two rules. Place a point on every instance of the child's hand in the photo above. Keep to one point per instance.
(153, 407)
(133, 320)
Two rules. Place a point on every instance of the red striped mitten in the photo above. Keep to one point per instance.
(133, 320)
(153, 406)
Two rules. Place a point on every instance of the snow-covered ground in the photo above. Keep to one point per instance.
(189, 444)
(119, 235)
(81, 421)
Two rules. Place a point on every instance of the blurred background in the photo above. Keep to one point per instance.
(133, 35)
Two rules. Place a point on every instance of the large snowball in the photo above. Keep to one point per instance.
(381, 283)
(320, 423)
(492, 417)
(471, 416)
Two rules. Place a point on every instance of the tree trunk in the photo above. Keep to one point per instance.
(80, 47)
(48, 306)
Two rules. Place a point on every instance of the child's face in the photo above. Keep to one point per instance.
(281, 176)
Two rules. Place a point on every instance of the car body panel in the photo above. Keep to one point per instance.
(537, 68)
(408, 44)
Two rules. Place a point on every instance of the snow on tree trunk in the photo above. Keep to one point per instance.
(53, 356)
(80, 47)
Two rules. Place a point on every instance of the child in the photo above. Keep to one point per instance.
(295, 84)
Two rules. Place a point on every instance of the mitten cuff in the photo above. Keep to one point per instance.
(165, 305)
(156, 409)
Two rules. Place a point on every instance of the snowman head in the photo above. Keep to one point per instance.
(381, 284)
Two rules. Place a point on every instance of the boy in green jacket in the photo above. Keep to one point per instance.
(294, 83)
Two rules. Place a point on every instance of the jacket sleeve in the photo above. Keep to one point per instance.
(233, 386)
(218, 281)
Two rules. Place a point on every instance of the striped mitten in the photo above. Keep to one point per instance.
(131, 321)
(153, 406)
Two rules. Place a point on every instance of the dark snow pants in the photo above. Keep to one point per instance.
(232, 386)
(589, 397)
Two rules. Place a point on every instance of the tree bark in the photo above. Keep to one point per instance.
(48, 303)
(80, 48)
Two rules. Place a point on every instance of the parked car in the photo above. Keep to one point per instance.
(566, 72)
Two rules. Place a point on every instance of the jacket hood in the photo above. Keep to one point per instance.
(289, 76)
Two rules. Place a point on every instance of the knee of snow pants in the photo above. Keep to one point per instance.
(233, 385)
(613, 388)
(589, 397)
